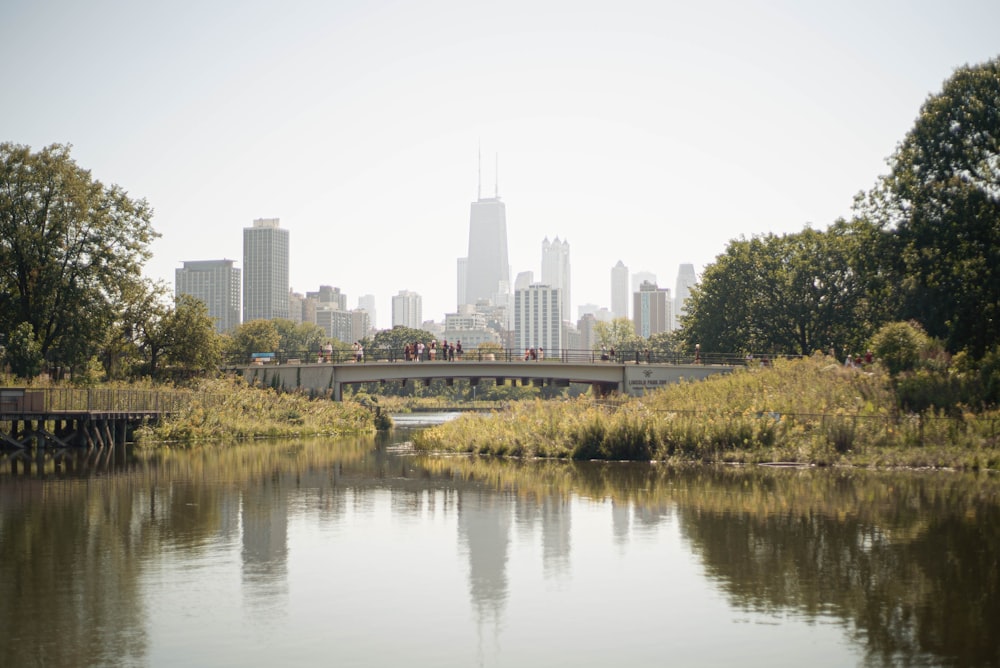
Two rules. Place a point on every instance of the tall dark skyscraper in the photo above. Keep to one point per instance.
(487, 270)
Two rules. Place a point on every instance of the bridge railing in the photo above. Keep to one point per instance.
(565, 355)
(63, 399)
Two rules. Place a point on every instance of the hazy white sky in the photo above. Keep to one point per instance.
(647, 132)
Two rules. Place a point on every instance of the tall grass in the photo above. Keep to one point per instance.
(805, 411)
(231, 410)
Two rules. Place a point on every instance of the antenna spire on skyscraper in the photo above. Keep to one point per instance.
(496, 175)
(479, 161)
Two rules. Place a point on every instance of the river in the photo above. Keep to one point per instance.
(359, 552)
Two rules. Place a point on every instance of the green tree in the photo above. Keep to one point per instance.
(618, 334)
(389, 343)
(788, 294)
(190, 341)
(68, 245)
(255, 336)
(299, 339)
(942, 198)
(23, 353)
(898, 346)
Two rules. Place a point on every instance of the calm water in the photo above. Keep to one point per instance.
(360, 553)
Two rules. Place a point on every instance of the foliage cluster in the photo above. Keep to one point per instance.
(812, 410)
(923, 245)
(227, 409)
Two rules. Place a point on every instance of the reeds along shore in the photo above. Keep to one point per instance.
(231, 410)
(810, 411)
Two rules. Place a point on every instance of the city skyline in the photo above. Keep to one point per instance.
(654, 133)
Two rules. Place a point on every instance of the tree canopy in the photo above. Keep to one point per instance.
(942, 200)
(788, 294)
(69, 248)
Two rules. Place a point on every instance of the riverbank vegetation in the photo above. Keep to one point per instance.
(229, 410)
(807, 411)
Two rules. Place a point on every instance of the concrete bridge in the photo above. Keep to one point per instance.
(604, 377)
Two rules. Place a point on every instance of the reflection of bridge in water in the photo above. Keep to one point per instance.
(604, 377)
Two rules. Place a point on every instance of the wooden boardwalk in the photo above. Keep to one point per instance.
(79, 418)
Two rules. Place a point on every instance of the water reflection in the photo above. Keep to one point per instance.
(90, 547)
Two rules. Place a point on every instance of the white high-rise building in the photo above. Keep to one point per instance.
(367, 302)
(217, 284)
(538, 319)
(619, 290)
(523, 280)
(556, 271)
(265, 271)
(407, 310)
(686, 279)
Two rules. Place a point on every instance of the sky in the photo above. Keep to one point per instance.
(648, 132)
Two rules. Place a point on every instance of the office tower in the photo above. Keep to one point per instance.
(463, 268)
(640, 277)
(619, 290)
(686, 279)
(217, 284)
(367, 302)
(555, 270)
(523, 280)
(265, 270)
(487, 268)
(651, 308)
(587, 326)
(538, 319)
(407, 310)
(296, 306)
(329, 295)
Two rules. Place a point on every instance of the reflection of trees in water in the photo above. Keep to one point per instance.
(909, 559)
(70, 559)
(935, 592)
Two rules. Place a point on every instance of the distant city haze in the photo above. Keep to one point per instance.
(641, 132)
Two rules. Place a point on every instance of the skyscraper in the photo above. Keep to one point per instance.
(619, 290)
(538, 319)
(686, 279)
(640, 277)
(556, 271)
(265, 271)
(651, 309)
(367, 302)
(487, 273)
(217, 284)
(407, 310)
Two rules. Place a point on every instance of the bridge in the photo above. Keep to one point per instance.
(604, 377)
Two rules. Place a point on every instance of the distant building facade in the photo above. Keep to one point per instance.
(651, 308)
(265, 270)
(556, 270)
(407, 310)
(487, 273)
(367, 302)
(217, 284)
(538, 319)
(619, 290)
(686, 279)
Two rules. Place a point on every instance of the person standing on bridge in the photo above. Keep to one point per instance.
(458, 349)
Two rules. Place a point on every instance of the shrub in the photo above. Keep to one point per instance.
(898, 346)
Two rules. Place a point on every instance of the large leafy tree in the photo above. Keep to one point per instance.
(788, 294)
(299, 339)
(68, 245)
(618, 334)
(389, 343)
(942, 198)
